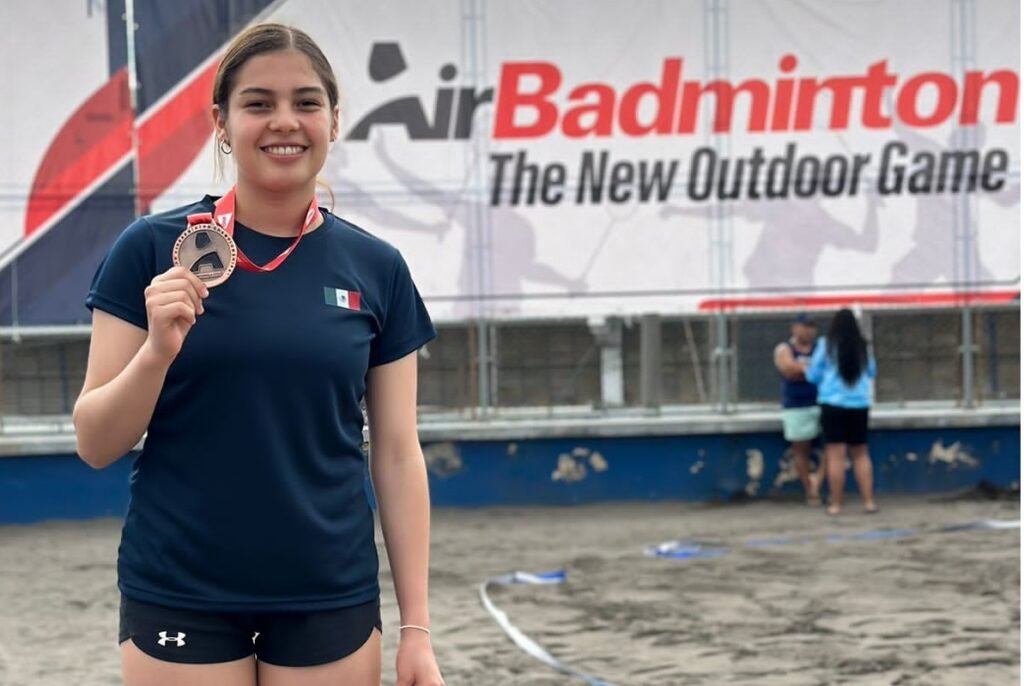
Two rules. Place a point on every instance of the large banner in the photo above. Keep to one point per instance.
(580, 158)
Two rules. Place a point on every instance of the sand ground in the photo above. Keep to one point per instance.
(933, 609)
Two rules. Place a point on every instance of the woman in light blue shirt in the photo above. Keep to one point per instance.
(844, 370)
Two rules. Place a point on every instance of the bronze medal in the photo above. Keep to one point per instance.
(207, 251)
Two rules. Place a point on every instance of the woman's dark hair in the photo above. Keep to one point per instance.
(261, 39)
(847, 347)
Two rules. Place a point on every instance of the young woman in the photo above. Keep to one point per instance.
(843, 369)
(248, 554)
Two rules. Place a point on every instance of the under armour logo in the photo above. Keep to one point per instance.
(178, 640)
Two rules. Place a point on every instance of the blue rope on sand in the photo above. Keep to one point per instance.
(524, 642)
(687, 550)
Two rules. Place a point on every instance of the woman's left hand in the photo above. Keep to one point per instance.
(416, 664)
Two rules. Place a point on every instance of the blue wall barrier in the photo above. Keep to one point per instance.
(559, 471)
(703, 467)
(40, 487)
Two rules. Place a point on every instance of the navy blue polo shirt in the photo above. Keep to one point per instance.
(248, 494)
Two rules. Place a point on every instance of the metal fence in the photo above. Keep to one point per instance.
(655, 362)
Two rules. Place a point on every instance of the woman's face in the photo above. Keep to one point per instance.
(279, 122)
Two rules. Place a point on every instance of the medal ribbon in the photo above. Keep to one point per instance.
(224, 217)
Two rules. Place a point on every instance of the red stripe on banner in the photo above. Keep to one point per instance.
(171, 139)
(95, 137)
(800, 301)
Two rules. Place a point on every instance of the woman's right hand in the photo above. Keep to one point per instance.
(174, 300)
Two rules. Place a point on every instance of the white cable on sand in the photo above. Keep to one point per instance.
(525, 643)
(999, 524)
(677, 550)
(685, 550)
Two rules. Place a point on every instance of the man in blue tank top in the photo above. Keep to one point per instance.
(800, 412)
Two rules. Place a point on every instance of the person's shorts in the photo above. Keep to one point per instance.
(844, 425)
(801, 423)
(286, 639)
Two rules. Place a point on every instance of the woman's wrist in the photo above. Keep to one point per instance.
(412, 634)
(152, 360)
(418, 628)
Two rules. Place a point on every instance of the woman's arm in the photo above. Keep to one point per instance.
(122, 382)
(787, 364)
(127, 366)
(872, 370)
(815, 371)
(399, 476)
(400, 482)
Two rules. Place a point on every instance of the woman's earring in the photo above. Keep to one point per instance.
(225, 147)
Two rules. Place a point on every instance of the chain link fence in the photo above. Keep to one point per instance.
(559, 364)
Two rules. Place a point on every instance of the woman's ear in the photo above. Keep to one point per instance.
(335, 124)
(219, 123)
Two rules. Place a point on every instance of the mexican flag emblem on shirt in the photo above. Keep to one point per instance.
(337, 297)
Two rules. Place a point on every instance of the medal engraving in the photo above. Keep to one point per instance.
(206, 251)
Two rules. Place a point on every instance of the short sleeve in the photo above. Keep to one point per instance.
(120, 282)
(406, 325)
(816, 368)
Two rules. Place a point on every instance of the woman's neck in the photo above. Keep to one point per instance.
(275, 214)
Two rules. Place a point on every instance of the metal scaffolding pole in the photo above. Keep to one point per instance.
(130, 27)
(963, 43)
(474, 74)
(716, 55)
(650, 360)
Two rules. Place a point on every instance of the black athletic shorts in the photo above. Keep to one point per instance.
(844, 425)
(287, 639)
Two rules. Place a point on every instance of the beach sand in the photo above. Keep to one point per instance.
(931, 609)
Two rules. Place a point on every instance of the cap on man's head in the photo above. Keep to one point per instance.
(804, 318)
